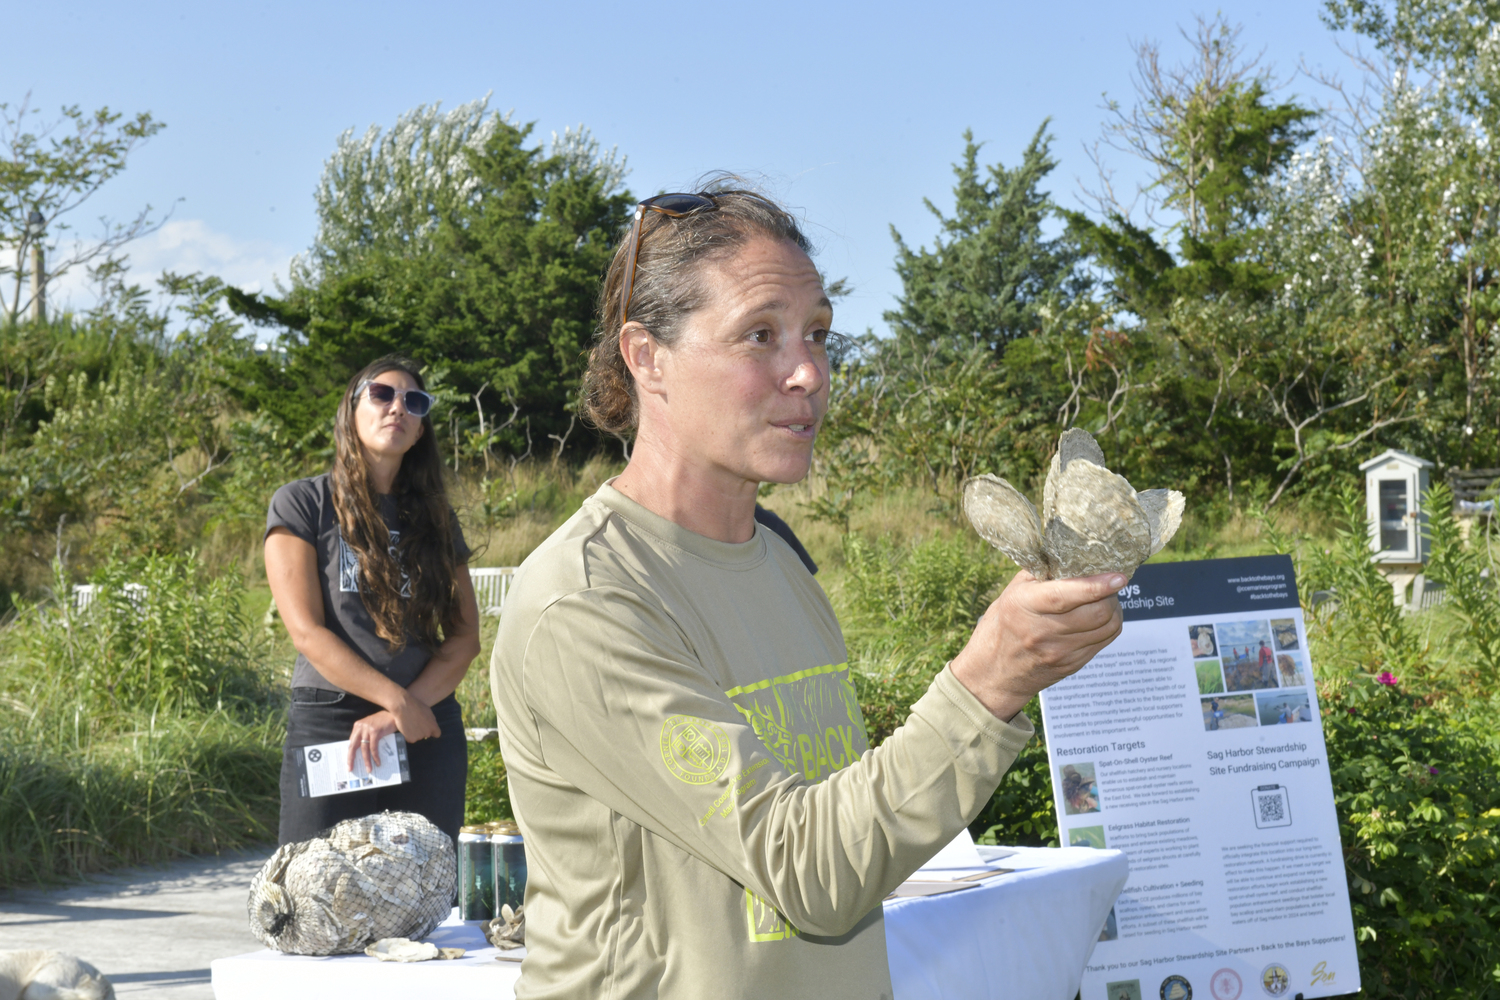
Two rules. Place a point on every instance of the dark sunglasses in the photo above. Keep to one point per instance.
(673, 206)
(417, 402)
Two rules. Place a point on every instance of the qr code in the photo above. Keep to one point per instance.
(1272, 806)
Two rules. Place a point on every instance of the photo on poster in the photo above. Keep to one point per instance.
(1080, 790)
(1202, 638)
(1210, 676)
(1234, 711)
(1245, 649)
(1289, 669)
(1130, 989)
(1280, 707)
(1284, 631)
(1086, 836)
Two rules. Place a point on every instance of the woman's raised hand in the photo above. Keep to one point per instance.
(1036, 633)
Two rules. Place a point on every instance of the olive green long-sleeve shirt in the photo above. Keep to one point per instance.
(688, 762)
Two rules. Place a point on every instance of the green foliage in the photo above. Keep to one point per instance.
(142, 728)
(487, 796)
(158, 637)
(906, 611)
(1367, 633)
(499, 289)
(176, 786)
(920, 601)
(991, 269)
(1416, 784)
(1469, 582)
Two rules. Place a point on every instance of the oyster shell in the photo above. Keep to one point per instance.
(1091, 521)
(1007, 520)
(508, 930)
(402, 950)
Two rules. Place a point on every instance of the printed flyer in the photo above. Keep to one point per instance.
(321, 770)
(1194, 744)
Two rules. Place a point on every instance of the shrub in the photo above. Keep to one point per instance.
(488, 794)
(158, 637)
(140, 729)
(920, 600)
(1416, 789)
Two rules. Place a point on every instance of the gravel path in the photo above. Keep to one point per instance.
(152, 931)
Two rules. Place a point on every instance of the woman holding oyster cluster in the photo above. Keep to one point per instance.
(684, 748)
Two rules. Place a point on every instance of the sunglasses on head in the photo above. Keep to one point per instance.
(416, 402)
(673, 206)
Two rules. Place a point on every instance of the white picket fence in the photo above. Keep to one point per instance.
(84, 594)
(491, 584)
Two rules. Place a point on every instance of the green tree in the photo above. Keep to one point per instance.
(491, 274)
(45, 177)
(1424, 146)
(991, 267)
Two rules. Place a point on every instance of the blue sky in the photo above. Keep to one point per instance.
(852, 113)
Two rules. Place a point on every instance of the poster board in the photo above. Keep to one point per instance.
(1194, 744)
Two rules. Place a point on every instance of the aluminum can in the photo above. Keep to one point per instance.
(476, 874)
(509, 852)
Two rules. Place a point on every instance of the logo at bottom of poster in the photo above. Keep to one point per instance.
(1176, 988)
(1125, 989)
(1275, 980)
(1226, 985)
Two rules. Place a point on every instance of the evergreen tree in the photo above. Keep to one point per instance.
(991, 266)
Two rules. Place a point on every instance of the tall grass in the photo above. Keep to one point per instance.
(148, 726)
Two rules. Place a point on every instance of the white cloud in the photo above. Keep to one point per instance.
(184, 246)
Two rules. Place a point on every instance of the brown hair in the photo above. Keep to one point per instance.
(424, 564)
(669, 285)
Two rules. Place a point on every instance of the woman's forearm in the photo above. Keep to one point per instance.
(446, 670)
(346, 669)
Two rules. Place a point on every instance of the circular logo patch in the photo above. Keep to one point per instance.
(1275, 980)
(1226, 985)
(1176, 988)
(694, 750)
(314, 755)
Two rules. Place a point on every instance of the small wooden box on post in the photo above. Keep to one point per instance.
(1395, 483)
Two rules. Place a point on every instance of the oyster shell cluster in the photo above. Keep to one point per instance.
(1092, 520)
(390, 875)
(508, 930)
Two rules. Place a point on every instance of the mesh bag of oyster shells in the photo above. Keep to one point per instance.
(389, 875)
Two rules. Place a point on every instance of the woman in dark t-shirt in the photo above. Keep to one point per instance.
(367, 566)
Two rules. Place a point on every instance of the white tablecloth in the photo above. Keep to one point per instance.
(1021, 936)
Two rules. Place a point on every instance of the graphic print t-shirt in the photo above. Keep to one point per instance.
(305, 508)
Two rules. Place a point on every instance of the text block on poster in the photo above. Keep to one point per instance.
(1194, 744)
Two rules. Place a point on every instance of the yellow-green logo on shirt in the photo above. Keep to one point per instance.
(695, 750)
(809, 720)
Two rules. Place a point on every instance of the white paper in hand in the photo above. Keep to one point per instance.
(321, 770)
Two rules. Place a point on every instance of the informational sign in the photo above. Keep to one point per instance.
(1194, 744)
(321, 768)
